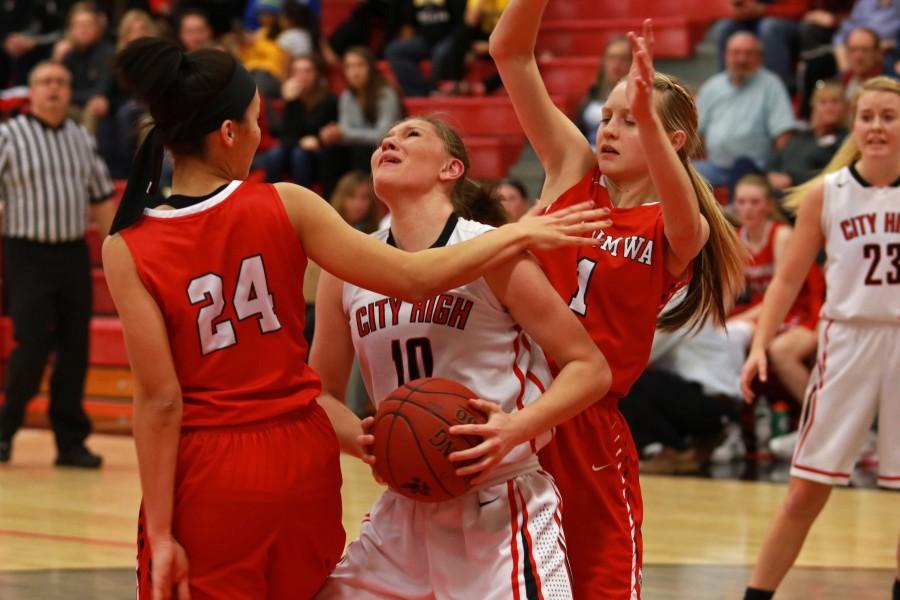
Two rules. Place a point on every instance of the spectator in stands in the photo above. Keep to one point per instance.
(299, 30)
(370, 20)
(470, 42)
(881, 16)
(807, 152)
(88, 58)
(426, 33)
(195, 30)
(366, 110)
(765, 233)
(309, 106)
(117, 134)
(260, 53)
(864, 59)
(745, 114)
(613, 67)
(815, 35)
(685, 397)
(514, 198)
(776, 34)
(354, 200)
(46, 264)
(28, 30)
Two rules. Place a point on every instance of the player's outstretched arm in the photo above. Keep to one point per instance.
(686, 229)
(562, 149)
(331, 356)
(799, 254)
(584, 377)
(364, 261)
(157, 411)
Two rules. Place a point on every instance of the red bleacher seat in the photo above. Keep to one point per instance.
(491, 157)
(569, 77)
(586, 37)
(492, 115)
(334, 12)
(107, 342)
(103, 304)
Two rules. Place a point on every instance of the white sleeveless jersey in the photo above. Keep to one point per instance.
(861, 224)
(464, 334)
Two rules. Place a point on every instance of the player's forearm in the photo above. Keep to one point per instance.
(779, 297)
(680, 207)
(157, 432)
(432, 271)
(515, 34)
(346, 424)
(579, 384)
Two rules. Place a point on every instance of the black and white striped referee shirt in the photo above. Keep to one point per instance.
(48, 176)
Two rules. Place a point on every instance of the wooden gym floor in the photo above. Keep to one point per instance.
(70, 534)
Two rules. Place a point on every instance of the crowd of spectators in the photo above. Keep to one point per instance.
(771, 119)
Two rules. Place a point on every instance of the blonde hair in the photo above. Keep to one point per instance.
(718, 270)
(762, 183)
(135, 15)
(345, 188)
(849, 152)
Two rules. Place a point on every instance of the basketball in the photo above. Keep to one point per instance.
(412, 442)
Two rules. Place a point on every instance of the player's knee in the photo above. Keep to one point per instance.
(804, 501)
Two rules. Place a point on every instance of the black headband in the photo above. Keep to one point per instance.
(143, 180)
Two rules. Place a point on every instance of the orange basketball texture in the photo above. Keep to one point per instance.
(412, 442)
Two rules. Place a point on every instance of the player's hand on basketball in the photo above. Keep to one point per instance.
(570, 226)
(366, 441)
(756, 365)
(500, 435)
(170, 570)
(639, 85)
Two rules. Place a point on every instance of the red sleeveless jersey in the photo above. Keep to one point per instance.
(759, 273)
(227, 275)
(617, 287)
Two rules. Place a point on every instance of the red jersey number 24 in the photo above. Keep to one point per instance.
(251, 298)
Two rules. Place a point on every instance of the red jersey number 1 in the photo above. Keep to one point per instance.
(251, 298)
(578, 302)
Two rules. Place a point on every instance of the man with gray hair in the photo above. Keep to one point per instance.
(51, 178)
(745, 114)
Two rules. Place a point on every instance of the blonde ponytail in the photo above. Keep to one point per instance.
(718, 270)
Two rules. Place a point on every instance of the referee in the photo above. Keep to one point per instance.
(51, 178)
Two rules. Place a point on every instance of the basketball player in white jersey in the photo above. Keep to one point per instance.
(853, 211)
(504, 538)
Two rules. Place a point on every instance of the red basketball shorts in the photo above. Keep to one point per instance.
(257, 510)
(595, 464)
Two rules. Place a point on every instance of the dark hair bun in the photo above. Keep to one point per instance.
(176, 87)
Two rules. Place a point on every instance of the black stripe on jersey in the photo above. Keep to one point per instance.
(531, 591)
(442, 240)
(861, 180)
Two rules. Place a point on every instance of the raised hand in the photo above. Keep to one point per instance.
(639, 84)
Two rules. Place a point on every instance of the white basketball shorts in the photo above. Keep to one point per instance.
(856, 380)
(499, 542)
